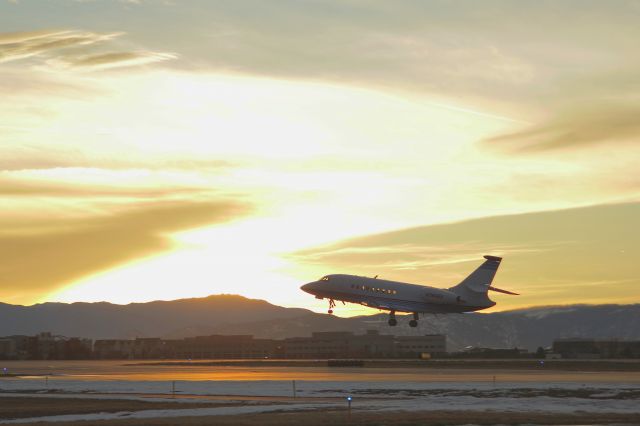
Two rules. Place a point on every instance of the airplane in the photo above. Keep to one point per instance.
(394, 296)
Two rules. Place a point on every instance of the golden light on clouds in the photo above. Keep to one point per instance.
(249, 156)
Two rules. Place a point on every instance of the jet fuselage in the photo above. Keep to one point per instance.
(390, 295)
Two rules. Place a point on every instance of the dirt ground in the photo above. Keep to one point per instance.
(19, 407)
(316, 418)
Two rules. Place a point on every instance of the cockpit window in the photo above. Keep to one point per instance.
(324, 278)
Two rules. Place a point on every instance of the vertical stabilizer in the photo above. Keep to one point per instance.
(474, 288)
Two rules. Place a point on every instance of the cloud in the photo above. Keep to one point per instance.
(25, 36)
(602, 122)
(24, 188)
(14, 46)
(403, 256)
(41, 255)
(110, 60)
(65, 49)
(31, 157)
(563, 249)
(516, 60)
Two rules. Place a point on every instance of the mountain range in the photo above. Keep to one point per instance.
(230, 314)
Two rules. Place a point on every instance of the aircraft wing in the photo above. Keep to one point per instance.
(407, 306)
(397, 306)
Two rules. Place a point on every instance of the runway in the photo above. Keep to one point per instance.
(532, 372)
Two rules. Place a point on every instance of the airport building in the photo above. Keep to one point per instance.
(320, 345)
(222, 347)
(113, 349)
(45, 346)
(372, 344)
(339, 344)
(595, 349)
(412, 346)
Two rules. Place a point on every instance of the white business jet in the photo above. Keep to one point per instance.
(393, 296)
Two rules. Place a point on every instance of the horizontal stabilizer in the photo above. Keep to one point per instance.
(499, 290)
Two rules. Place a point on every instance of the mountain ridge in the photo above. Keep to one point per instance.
(232, 314)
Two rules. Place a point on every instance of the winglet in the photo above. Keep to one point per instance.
(495, 258)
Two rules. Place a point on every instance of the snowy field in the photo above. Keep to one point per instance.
(245, 389)
(371, 396)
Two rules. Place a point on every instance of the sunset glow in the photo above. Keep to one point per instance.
(137, 166)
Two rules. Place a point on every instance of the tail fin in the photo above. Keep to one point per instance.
(474, 288)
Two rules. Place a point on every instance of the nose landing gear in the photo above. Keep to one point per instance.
(332, 304)
(392, 319)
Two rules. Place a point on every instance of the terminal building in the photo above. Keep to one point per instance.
(222, 347)
(45, 346)
(320, 345)
(343, 344)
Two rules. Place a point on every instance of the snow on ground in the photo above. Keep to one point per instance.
(306, 388)
(410, 396)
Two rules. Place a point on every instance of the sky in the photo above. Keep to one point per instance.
(155, 150)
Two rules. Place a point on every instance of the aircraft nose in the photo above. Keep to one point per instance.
(308, 287)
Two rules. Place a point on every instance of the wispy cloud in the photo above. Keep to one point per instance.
(66, 49)
(14, 187)
(14, 46)
(110, 60)
(411, 256)
(601, 122)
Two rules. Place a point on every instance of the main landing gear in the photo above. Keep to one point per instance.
(392, 319)
(414, 321)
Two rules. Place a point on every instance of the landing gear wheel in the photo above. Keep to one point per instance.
(413, 323)
(392, 319)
